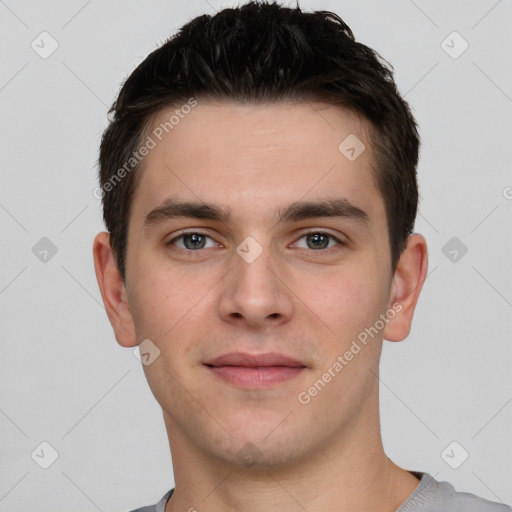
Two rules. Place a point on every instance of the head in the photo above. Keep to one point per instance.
(284, 132)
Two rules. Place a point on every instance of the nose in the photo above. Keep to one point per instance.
(256, 293)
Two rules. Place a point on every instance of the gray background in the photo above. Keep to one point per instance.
(64, 379)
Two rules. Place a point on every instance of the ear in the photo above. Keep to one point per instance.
(408, 279)
(113, 291)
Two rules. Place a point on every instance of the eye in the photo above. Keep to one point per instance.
(195, 240)
(191, 241)
(319, 240)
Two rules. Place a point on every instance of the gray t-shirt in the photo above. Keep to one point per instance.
(429, 496)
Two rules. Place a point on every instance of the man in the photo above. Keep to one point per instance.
(259, 190)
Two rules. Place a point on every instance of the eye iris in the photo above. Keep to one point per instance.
(196, 241)
(319, 237)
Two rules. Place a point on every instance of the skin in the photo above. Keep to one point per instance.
(305, 302)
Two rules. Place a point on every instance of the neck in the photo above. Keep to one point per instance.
(350, 473)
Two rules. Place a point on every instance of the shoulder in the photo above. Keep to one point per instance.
(157, 507)
(434, 496)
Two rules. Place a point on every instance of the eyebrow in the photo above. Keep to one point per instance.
(299, 210)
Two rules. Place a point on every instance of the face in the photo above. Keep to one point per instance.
(269, 273)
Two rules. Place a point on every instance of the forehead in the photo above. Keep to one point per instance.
(257, 157)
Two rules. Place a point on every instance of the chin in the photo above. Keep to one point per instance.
(265, 446)
(255, 457)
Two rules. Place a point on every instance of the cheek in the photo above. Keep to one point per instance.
(346, 300)
(158, 302)
(172, 307)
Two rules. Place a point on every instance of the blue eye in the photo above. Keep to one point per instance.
(192, 241)
(319, 240)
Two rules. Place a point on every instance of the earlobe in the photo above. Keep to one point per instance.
(408, 280)
(113, 291)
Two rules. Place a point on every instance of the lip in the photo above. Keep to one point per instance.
(253, 360)
(255, 371)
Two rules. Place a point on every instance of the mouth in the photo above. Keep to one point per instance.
(255, 371)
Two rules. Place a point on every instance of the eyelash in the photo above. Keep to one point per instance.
(312, 232)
